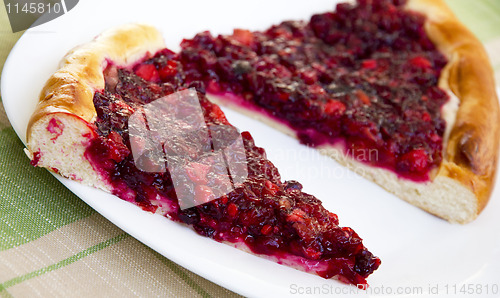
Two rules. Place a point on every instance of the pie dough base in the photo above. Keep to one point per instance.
(68, 97)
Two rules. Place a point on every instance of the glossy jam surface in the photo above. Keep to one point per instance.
(267, 215)
(365, 76)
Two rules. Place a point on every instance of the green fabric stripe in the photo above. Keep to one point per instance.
(481, 17)
(32, 202)
(7, 38)
(179, 272)
(4, 293)
(64, 262)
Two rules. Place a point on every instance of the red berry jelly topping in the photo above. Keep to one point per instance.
(364, 76)
(264, 214)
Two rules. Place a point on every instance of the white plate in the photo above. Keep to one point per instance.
(418, 251)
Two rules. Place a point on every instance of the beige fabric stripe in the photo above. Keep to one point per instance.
(212, 289)
(493, 48)
(4, 293)
(4, 122)
(56, 246)
(125, 269)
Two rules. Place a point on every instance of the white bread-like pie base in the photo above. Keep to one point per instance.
(64, 152)
(443, 196)
(67, 98)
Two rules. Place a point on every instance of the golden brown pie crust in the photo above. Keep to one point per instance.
(71, 88)
(470, 156)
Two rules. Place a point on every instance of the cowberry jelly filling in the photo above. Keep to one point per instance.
(261, 213)
(363, 77)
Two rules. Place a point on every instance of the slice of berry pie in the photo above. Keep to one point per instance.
(398, 90)
(119, 115)
(403, 79)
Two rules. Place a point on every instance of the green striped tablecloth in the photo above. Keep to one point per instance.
(53, 244)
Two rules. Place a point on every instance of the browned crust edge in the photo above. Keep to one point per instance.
(471, 154)
(71, 88)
